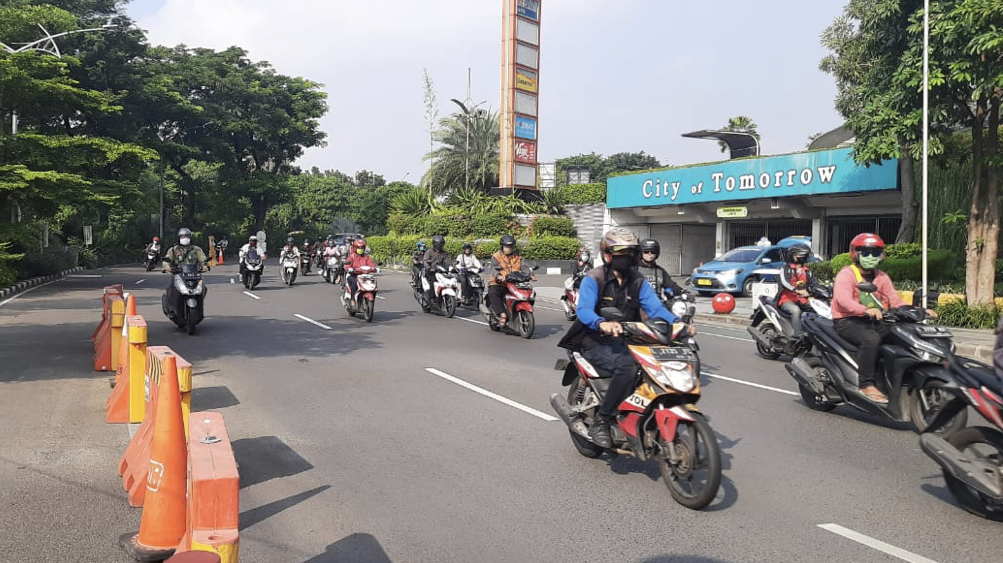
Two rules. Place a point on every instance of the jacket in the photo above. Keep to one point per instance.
(469, 262)
(357, 261)
(659, 279)
(792, 278)
(184, 255)
(846, 295)
(509, 265)
(247, 248)
(435, 258)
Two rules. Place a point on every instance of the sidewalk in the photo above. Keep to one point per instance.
(975, 344)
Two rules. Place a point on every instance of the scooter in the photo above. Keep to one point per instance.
(519, 303)
(476, 284)
(253, 269)
(305, 262)
(329, 268)
(910, 369)
(187, 283)
(152, 259)
(446, 292)
(290, 267)
(569, 299)
(365, 297)
(771, 326)
(659, 421)
(971, 459)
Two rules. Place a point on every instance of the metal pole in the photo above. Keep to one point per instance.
(926, 141)
(466, 156)
(161, 200)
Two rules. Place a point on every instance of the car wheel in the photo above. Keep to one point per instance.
(747, 286)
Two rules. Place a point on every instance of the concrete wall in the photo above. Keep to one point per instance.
(588, 222)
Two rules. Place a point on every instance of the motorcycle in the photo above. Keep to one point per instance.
(290, 267)
(187, 282)
(518, 305)
(253, 268)
(569, 299)
(971, 459)
(305, 262)
(365, 296)
(659, 421)
(771, 326)
(152, 259)
(446, 291)
(330, 269)
(476, 284)
(910, 369)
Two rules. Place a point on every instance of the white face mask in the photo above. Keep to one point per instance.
(185, 241)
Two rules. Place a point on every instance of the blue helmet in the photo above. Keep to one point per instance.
(422, 246)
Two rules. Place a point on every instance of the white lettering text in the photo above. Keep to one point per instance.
(764, 180)
(675, 190)
(790, 177)
(729, 184)
(646, 189)
(779, 176)
(806, 176)
(747, 182)
(825, 174)
(717, 180)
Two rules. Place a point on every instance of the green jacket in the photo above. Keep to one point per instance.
(179, 255)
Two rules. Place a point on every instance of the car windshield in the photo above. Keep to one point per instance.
(741, 255)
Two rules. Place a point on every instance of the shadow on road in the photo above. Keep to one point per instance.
(212, 398)
(356, 548)
(682, 559)
(265, 458)
(251, 517)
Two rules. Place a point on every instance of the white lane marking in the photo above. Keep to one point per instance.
(875, 544)
(311, 321)
(249, 294)
(472, 320)
(133, 428)
(750, 384)
(141, 281)
(725, 336)
(489, 394)
(550, 308)
(29, 290)
(85, 276)
(381, 297)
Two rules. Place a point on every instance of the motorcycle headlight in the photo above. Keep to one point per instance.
(678, 375)
(179, 284)
(679, 308)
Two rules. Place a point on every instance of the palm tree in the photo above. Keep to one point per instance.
(739, 124)
(448, 170)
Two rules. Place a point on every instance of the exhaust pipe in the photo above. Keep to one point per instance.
(759, 337)
(569, 416)
(980, 476)
(802, 373)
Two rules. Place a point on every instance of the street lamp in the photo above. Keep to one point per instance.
(926, 140)
(466, 152)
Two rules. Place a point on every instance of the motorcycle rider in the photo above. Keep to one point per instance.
(655, 274)
(307, 251)
(583, 264)
(510, 261)
(355, 261)
(616, 284)
(857, 315)
(416, 260)
(182, 254)
(252, 244)
(468, 265)
(154, 246)
(435, 257)
(795, 280)
(290, 247)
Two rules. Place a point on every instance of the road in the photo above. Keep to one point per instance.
(353, 447)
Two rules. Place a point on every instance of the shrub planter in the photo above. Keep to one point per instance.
(27, 284)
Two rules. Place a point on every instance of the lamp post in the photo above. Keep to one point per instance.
(926, 141)
(467, 112)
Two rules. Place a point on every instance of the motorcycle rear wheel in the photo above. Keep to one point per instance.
(575, 397)
(935, 398)
(811, 400)
(697, 447)
(527, 324)
(448, 306)
(769, 331)
(971, 500)
(368, 310)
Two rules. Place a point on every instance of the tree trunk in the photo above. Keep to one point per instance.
(907, 231)
(984, 219)
(260, 208)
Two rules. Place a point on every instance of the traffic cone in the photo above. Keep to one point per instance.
(130, 305)
(163, 522)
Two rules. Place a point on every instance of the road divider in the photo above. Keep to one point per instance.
(875, 544)
(489, 394)
(126, 403)
(106, 336)
(311, 321)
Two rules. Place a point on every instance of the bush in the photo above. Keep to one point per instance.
(551, 248)
(401, 224)
(489, 224)
(904, 250)
(957, 313)
(583, 194)
(397, 249)
(438, 225)
(941, 265)
(553, 226)
(822, 270)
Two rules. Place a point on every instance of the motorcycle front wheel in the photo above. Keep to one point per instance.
(368, 308)
(694, 477)
(527, 324)
(448, 306)
(985, 444)
(255, 280)
(934, 398)
(192, 320)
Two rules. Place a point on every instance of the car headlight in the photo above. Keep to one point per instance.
(730, 272)
(678, 375)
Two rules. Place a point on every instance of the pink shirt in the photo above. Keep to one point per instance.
(846, 296)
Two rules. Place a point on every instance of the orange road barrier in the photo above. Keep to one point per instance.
(194, 557)
(106, 341)
(127, 401)
(162, 524)
(133, 465)
(213, 489)
(110, 290)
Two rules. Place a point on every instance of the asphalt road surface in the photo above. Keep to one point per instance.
(422, 439)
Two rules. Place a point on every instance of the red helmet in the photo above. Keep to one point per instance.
(865, 240)
(156, 239)
(359, 244)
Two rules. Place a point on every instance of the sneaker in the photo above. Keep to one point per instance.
(599, 433)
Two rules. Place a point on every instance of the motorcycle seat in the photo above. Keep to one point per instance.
(829, 328)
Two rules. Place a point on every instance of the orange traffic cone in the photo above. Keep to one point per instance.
(163, 522)
(130, 305)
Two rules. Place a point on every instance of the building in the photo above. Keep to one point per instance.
(699, 212)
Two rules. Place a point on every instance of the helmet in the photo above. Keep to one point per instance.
(290, 241)
(584, 255)
(468, 246)
(618, 239)
(422, 246)
(507, 240)
(306, 242)
(869, 241)
(651, 245)
(252, 238)
(156, 239)
(798, 254)
(360, 246)
(438, 242)
(185, 232)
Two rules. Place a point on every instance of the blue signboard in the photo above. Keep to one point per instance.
(529, 9)
(802, 174)
(525, 128)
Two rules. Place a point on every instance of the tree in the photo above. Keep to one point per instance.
(600, 168)
(740, 124)
(812, 138)
(447, 172)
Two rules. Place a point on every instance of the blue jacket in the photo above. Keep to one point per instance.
(588, 297)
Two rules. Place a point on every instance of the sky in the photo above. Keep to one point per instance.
(615, 75)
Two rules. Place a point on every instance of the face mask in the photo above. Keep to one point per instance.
(360, 251)
(185, 241)
(869, 262)
(622, 263)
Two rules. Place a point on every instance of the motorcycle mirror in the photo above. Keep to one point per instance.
(867, 287)
(498, 268)
(611, 314)
(534, 268)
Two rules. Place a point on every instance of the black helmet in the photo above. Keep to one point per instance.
(651, 245)
(468, 246)
(438, 242)
(290, 241)
(798, 254)
(507, 240)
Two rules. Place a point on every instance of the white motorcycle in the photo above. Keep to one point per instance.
(446, 292)
(771, 326)
(290, 267)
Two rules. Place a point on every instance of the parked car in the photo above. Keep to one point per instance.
(736, 270)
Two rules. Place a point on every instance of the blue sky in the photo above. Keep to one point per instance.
(625, 75)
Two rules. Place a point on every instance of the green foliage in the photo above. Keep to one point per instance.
(450, 160)
(397, 249)
(414, 202)
(555, 226)
(906, 250)
(823, 270)
(957, 313)
(551, 248)
(8, 274)
(941, 264)
(600, 168)
(583, 194)
(489, 224)
(443, 225)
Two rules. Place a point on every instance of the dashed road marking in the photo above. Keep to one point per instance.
(311, 321)
(249, 294)
(875, 544)
(750, 384)
(489, 394)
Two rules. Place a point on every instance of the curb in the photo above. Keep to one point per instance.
(26, 284)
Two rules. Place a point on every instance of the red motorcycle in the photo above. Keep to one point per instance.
(365, 296)
(518, 305)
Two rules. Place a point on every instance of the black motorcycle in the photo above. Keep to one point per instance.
(971, 459)
(184, 299)
(910, 369)
(474, 287)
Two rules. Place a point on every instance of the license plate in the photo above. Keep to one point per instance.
(704, 282)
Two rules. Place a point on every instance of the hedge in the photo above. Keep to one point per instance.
(453, 224)
(958, 313)
(822, 271)
(545, 225)
(583, 194)
(940, 265)
(397, 249)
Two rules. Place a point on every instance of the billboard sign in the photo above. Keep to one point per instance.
(529, 9)
(525, 175)
(526, 80)
(527, 56)
(525, 103)
(527, 32)
(525, 128)
(548, 175)
(525, 152)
